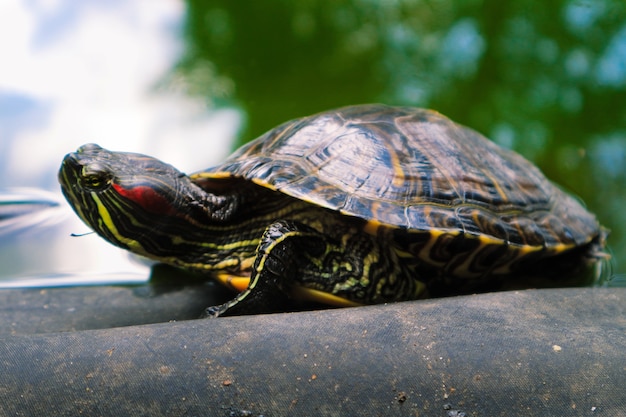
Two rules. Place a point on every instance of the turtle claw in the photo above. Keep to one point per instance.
(214, 311)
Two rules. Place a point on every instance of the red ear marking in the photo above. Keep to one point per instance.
(147, 198)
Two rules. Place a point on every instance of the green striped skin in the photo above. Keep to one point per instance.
(360, 205)
(148, 207)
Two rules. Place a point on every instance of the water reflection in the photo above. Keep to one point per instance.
(37, 246)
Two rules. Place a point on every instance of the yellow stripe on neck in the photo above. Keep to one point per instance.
(105, 217)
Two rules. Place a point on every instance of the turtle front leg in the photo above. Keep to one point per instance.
(284, 248)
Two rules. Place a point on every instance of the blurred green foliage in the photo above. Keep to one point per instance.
(544, 77)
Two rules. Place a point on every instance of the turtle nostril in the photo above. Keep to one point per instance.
(88, 147)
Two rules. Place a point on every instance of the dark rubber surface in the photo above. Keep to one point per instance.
(528, 353)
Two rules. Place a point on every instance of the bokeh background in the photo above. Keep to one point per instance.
(188, 81)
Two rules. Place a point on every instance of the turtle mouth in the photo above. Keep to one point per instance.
(85, 182)
(68, 173)
(69, 179)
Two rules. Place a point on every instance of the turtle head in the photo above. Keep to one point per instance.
(134, 201)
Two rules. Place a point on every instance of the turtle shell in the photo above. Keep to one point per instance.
(414, 169)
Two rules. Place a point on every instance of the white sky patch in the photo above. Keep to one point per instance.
(91, 74)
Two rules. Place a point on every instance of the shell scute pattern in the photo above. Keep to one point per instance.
(526, 229)
(478, 221)
(415, 169)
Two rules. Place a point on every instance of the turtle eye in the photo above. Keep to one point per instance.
(95, 180)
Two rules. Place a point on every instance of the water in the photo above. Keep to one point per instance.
(187, 81)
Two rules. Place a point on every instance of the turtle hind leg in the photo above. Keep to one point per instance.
(284, 248)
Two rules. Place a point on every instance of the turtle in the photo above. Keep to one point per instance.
(364, 204)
